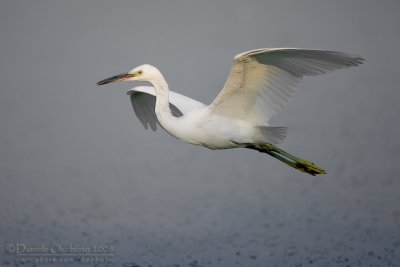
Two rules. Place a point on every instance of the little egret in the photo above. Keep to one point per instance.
(259, 84)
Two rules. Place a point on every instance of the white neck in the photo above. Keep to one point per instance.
(162, 97)
(162, 110)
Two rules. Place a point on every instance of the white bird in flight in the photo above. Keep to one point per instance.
(259, 85)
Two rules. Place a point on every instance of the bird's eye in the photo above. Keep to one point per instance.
(140, 72)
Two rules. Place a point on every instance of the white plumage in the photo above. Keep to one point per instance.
(143, 100)
(259, 85)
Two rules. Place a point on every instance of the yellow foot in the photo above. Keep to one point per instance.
(308, 167)
(295, 162)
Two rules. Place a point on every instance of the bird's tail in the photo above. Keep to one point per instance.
(295, 162)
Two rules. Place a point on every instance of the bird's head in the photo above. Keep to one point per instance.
(144, 73)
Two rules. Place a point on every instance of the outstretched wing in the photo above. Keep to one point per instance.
(143, 100)
(261, 81)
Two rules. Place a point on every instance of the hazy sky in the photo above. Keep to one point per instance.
(77, 167)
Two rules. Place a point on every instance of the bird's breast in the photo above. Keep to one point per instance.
(211, 131)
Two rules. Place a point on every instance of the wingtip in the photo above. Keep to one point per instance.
(360, 60)
(354, 60)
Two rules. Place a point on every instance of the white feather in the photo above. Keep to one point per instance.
(262, 81)
(143, 100)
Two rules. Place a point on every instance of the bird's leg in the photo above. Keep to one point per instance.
(293, 161)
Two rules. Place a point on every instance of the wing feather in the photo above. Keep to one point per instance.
(143, 99)
(262, 81)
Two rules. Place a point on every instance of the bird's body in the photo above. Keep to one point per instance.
(259, 85)
(199, 127)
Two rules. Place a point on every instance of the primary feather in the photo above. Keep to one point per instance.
(261, 81)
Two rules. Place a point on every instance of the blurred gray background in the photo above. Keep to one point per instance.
(78, 169)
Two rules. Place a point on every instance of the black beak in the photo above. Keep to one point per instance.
(116, 78)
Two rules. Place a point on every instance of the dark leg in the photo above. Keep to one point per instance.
(295, 162)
